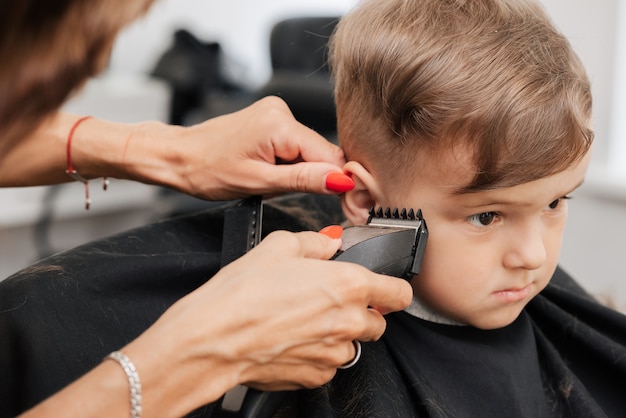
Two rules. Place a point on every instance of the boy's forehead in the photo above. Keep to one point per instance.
(536, 192)
(451, 171)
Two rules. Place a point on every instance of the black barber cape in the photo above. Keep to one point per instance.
(564, 356)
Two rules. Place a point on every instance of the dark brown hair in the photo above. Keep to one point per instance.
(48, 49)
(494, 76)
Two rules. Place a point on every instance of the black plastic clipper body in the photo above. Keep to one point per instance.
(392, 243)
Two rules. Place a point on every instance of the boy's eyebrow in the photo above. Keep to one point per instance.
(580, 183)
(496, 202)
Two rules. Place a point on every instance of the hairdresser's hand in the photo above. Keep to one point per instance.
(261, 149)
(281, 317)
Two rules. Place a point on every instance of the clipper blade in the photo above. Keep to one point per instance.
(392, 243)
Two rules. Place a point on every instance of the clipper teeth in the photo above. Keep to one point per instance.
(388, 213)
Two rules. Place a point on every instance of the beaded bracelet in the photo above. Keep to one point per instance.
(133, 381)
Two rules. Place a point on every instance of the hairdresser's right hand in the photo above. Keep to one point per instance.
(281, 317)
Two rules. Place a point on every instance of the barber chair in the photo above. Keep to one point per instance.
(300, 73)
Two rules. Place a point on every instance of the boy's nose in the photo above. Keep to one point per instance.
(526, 248)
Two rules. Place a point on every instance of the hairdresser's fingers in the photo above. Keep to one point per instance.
(296, 157)
(375, 328)
(318, 364)
(305, 244)
(299, 143)
(389, 294)
(277, 137)
(306, 177)
(305, 376)
(322, 354)
(355, 322)
(293, 141)
(314, 162)
(385, 293)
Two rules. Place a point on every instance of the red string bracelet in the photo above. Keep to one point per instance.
(71, 171)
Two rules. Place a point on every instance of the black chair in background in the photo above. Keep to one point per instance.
(202, 87)
(192, 68)
(300, 73)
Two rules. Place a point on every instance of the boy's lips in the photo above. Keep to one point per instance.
(513, 294)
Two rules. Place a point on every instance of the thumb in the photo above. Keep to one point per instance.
(306, 244)
(313, 177)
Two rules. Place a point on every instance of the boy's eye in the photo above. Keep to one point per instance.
(555, 203)
(483, 219)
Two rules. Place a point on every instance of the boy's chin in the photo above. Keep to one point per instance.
(494, 320)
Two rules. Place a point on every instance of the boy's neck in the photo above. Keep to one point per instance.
(420, 310)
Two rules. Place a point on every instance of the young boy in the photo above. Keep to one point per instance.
(478, 113)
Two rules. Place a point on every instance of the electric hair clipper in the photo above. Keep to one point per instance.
(392, 243)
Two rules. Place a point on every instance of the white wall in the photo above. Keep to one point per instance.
(241, 26)
(617, 157)
(591, 28)
(594, 244)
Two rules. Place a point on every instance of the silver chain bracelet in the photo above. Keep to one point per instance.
(133, 381)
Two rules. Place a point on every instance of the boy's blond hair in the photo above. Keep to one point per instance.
(420, 77)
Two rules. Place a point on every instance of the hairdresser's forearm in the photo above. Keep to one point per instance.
(102, 392)
(98, 149)
(105, 391)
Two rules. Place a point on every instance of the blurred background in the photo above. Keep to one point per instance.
(188, 60)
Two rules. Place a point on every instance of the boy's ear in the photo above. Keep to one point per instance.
(357, 202)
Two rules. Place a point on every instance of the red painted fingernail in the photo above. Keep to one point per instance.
(339, 182)
(332, 231)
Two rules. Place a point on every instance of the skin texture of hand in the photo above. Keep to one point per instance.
(261, 149)
(281, 317)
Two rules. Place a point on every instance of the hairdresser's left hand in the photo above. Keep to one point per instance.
(261, 149)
